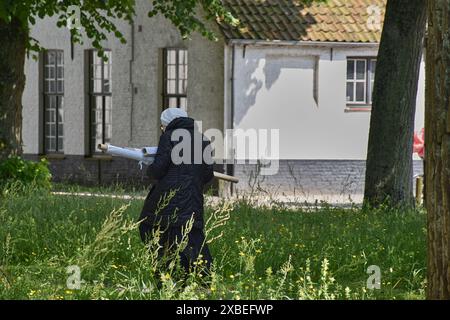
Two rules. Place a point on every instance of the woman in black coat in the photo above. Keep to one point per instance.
(183, 185)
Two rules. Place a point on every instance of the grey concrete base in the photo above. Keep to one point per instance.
(87, 171)
(308, 177)
(92, 172)
(297, 178)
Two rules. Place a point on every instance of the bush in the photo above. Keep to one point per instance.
(24, 174)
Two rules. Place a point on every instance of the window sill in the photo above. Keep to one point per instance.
(97, 157)
(350, 109)
(54, 156)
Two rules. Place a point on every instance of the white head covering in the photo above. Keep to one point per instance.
(171, 114)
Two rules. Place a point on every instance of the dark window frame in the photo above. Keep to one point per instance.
(179, 96)
(368, 81)
(59, 100)
(93, 95)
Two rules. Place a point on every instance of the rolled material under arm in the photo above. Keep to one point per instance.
(147, 156)
(133, 154)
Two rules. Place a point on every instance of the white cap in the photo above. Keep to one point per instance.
(171, 114)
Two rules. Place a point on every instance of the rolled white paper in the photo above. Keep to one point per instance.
(133, 154)
(150, 151)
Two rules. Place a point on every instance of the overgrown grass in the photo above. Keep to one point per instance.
(259, 253)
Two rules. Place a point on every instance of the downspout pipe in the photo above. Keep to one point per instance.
(231, 167)
(131, 84)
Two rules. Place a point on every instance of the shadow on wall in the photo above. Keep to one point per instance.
(256, 72)
(248, 91)
(276, 63)
(265, 70)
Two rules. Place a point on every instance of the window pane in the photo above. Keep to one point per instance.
(176, 70)
(182, 86)
(47, 130)
(171, 72)
(52, 132)
(60, 136)
(52, 118)
(60, 58)
(350, 69)
(97, 71)
(50, 144)
(361, 70)
(46, 72)
(182, 72)
(60, 73)
(94, 113)
(173, 103)
(101, 117)
(49, 116)
(106, 86)
(108, 133)
(107, 71)
(50, 58)
(171, 87)
(53, 102)
(373, 67)
(101, 72)
(51, 73)
(50, 107)
(61, 110)
(372, 85)
(60, 86)
(97, 86)
(53, 144)
(52, 88)
(47, 144)
(60, 130)
(108, 119)
(171, 57)
(97, 139)
(183, 103)
(60, 144)
(108, 110)
(99, 108)
(181, 57)
(360, 92)
(350, 91)
(96, 118)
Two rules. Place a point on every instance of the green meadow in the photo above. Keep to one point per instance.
(259, 252)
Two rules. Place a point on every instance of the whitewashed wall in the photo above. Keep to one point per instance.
(274, 90)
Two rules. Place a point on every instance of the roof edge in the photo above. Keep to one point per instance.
(302, 43)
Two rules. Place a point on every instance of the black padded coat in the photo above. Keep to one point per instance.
(178, 193)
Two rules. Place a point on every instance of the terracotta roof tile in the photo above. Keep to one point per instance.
(292, 20)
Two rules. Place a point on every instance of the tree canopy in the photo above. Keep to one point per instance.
(97, 18)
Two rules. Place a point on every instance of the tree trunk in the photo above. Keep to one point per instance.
(13, 39)
(389, 175)
(437, 153)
